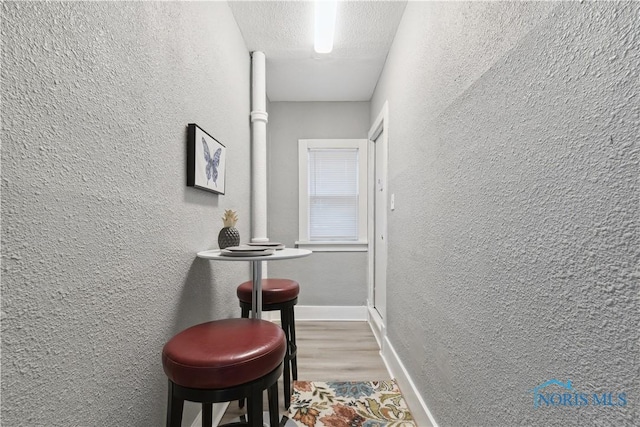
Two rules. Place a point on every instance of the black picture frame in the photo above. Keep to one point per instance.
(206, 160)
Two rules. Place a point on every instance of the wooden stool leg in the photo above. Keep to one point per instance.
(293, 351)
(244, 313)
(174, 408)
(254, 408)
(207, 414)
(285, 320)
(274, 412)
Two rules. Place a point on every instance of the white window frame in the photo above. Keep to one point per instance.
(360, 245)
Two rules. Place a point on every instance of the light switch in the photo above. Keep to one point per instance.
(393, 201)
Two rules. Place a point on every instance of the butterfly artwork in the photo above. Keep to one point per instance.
(211, 163)
(206, 160)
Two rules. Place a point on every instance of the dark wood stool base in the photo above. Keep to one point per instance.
(252, 391)
(287, 319)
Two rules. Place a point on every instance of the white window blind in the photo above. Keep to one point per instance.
(333, 194)
(332, 198)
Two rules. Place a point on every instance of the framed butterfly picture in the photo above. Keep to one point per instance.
(206, 159)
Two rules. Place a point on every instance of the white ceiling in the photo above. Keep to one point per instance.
(283, 30)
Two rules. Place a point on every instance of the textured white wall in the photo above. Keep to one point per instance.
(513, 248)
(326, 278)
(99, 231)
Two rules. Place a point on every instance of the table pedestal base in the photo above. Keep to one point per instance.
(284, 421)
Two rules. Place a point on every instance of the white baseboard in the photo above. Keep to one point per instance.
(376, 324)
(218, 412)
(356, 313)
(418, 407)
(331, 312)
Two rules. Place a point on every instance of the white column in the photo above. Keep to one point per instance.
(259, 119)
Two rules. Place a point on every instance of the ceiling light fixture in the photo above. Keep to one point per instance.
(325, 21)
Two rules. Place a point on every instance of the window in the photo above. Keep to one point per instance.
(333, 194)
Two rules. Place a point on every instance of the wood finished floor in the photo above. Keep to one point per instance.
(331, 351)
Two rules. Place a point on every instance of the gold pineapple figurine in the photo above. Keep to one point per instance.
(229, 235)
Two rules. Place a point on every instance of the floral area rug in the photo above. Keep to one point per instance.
(349, 404)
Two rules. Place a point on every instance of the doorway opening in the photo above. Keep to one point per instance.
(377, 224)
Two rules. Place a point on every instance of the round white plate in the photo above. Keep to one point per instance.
(239, 253)
(246, 248)
(273, 245)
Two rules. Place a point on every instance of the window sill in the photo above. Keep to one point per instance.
(359, 246)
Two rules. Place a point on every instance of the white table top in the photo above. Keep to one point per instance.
(286, 253)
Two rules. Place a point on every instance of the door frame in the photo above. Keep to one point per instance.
(379, 131)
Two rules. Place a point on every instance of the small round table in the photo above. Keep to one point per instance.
(256, 269)
(256, 276)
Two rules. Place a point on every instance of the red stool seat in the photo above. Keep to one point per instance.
(224, 353)
(274, 291)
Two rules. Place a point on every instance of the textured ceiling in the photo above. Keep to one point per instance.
(284, 32)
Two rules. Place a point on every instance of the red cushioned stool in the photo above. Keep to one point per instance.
(278, 294)
(222, 361)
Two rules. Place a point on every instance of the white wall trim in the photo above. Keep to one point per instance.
(356, 246)
(218, 412)
(378, 192)
(376, 324)
(329, 312)
(304, 145)
(418, 407)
